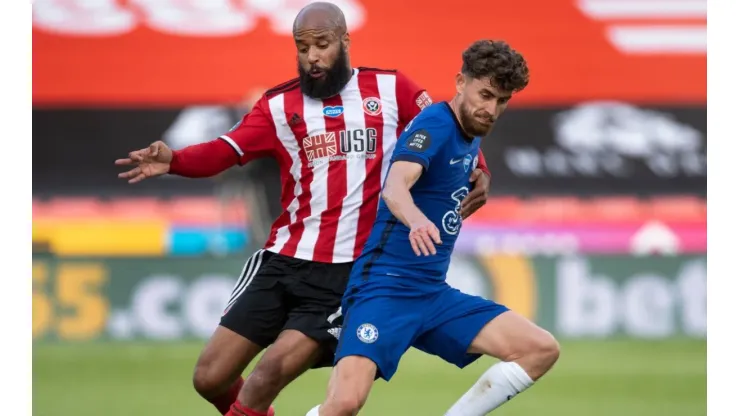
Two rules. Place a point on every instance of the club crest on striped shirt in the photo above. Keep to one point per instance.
(372, 106)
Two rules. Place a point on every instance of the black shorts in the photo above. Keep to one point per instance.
(276, 292)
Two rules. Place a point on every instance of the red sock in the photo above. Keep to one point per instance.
(224, 401)
(237, 409)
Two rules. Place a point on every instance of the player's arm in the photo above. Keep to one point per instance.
(414, 152)
(397, 191)
(202, 160)
(252, 138)
(397, 195)
(411, 100)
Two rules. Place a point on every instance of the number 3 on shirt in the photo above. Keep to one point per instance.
(452, 221)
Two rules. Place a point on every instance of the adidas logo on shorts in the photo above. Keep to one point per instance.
(335, 332)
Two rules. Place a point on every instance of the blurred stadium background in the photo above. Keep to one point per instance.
(596, 225)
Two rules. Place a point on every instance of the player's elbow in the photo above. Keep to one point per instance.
(397, 197)
(390, 196)
(386, 195)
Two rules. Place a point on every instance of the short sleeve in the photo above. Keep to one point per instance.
(421, 141)
(411, 99)
(254, 136)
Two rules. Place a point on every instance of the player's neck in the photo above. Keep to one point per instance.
(455, 108)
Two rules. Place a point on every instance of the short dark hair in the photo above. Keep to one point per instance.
(496, 60)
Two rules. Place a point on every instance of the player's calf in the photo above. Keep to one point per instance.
(263, 385)
(526, 352)
(217, 374)
(290, 356)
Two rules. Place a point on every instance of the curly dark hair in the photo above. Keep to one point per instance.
(496, 60)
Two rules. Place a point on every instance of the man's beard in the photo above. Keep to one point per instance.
(470, 124)
(337, 76)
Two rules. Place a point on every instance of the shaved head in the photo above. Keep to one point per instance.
(322, 41)
(321, 15)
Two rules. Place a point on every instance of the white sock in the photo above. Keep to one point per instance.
(496, 386)
(314, 411)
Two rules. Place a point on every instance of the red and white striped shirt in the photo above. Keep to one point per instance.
(333, 156)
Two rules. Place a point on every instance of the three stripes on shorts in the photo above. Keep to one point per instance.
(251, 267)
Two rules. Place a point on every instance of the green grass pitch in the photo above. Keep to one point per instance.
(604, 378)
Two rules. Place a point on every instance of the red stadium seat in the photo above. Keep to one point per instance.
(143, 208)
(39, 209)
(81, 207)
(194, 210)
(678, 208)
(616, 209)
(499, 209)
(556, 209)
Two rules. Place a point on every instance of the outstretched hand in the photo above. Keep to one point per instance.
(478, 195)
(423, 236)
(150, 162)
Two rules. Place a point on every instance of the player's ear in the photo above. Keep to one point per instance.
(345, 40)
(460, 82)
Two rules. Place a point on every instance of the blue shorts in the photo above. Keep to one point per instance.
(382, 324)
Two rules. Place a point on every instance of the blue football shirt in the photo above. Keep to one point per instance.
(435, 140)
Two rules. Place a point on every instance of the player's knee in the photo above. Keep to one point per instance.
(206, 381)
(546, 348)
(342, 405)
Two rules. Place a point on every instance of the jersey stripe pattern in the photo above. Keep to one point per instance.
(333, 155)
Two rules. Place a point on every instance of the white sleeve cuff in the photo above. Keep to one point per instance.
(233, 144)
